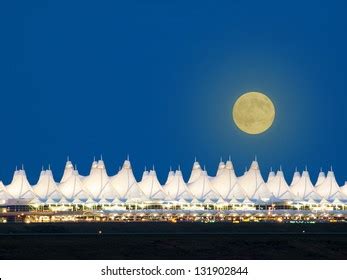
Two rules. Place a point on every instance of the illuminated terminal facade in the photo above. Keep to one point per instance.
(223, 197)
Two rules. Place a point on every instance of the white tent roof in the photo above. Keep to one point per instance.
(270, 176)
(247, 201)
(195, 200)
(50, 200)
(340, 196)
(221, 167)
(196, 172)
(36, 200)
(221, 201)
(311, 201)
(90, 201)
(116, 201)
(303, 189)
(177, 188)
(68, 171)
(225, 183)
(329, 187)
(56, 195)
(46, 186)
(320, 179)
(202, 188)
(253, 184)
(337, 201)
(229, 165)
(77, 201)
(82, 196)
(98, 187)
(104, 201)
(279, 187)
(108, 192)
(72, 187)
(235, 201)
(170, 177)
(344, 188)
(4, 195)
(144, 174)
(246, 170)
(125, 184)
(296, 178)
(151, 187)
(209, 200)
(2, 186)
(324, 201)
(96, 181)
(20, 188)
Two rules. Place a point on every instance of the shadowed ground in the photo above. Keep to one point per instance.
(173, 241)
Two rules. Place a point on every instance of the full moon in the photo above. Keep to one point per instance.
(253, 112)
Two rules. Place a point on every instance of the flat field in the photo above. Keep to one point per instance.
(158, 240)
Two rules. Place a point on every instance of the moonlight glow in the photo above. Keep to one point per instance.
(253, 112)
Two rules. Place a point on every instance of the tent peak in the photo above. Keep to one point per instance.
(178, 172)
(254, 165)
(126, 164)
(229, 165)
(196, 165)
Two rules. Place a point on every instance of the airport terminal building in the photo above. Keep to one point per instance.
(223, 197)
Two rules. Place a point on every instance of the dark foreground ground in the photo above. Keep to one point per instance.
(173, 241)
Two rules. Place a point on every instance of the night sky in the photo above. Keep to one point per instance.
(157, 80)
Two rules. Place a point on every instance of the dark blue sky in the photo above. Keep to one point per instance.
(157, 80)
